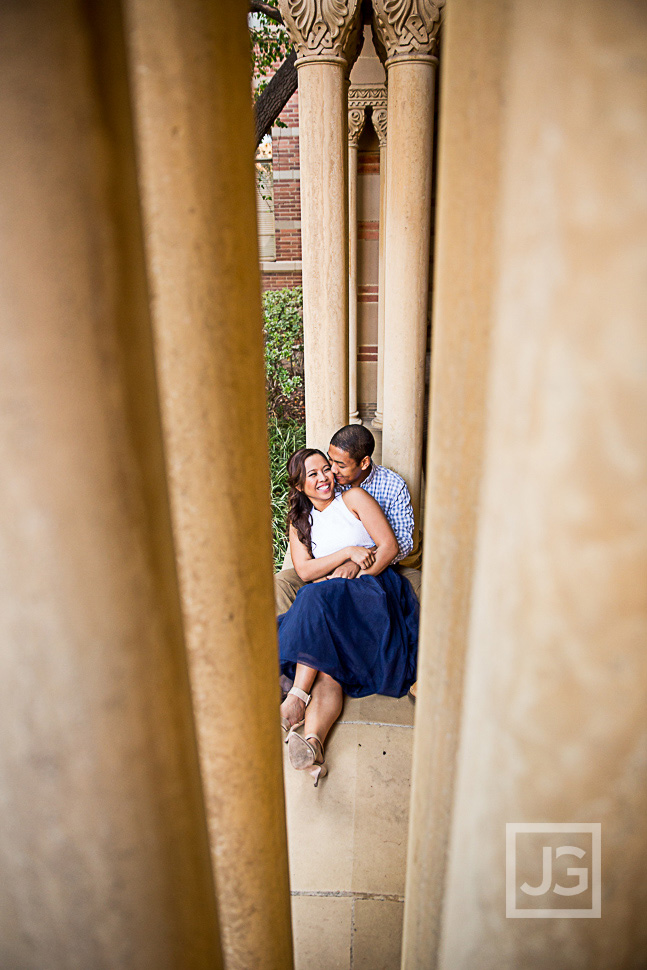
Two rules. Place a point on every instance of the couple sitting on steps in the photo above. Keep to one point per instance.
(347, 614)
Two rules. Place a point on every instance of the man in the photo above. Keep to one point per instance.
(350, 454)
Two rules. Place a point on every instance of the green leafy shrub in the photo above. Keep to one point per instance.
(283, 331)
(285, 437)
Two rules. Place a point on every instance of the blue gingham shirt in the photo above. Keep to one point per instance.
(391, 493)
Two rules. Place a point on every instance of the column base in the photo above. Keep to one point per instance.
(377, 422)
(355, 418)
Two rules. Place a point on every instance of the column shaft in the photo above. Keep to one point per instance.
(354, 417)
(103, 847)
(555, 724)
(408, 222)
(464, 290)
(323, 148)
(378, 420)
(190, 67)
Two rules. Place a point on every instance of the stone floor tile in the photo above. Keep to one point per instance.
(321, 820)
(377, 934)
(322, 930)
(381, 808)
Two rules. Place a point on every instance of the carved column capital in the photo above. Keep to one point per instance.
(379, 124)
(322, 29)
(373, 96)
(407, 28)
(366, 95)
(356, 119)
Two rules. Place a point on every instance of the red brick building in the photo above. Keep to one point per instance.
(280, 217)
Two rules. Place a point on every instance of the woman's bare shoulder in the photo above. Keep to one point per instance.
(358, 500)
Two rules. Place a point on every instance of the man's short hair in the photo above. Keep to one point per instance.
(356, 440)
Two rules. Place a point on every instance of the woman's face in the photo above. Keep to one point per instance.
(319, 482)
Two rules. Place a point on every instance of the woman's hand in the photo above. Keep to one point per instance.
(347, 570)
(367, 510)
(362, 556)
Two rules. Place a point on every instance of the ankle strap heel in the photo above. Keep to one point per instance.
(304, 756)
(285, 724)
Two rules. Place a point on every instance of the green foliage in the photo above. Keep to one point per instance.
(283, 330)
(264, 182)
(270, 43)
(285, 437)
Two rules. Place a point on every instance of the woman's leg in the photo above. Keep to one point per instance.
(325, 706)
(293, 707)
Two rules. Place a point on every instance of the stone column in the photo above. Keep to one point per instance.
(103, 845)
(324, 48)
(190, 69)
(470, 150)
(379, 116)
(554, 726)
(409, 42)
(356, 118)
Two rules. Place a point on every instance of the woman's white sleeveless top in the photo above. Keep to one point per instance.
(335, 528)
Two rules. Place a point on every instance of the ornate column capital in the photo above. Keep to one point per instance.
(407, 29)
(379, 124)
(356, 119)
(325, 30)
(373, 96)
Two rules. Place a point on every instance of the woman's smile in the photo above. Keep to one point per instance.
(319, 482)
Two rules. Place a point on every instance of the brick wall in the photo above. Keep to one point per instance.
(280, 281)
(287, 201)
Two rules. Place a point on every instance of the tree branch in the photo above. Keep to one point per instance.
(274, 98)
(271, 12)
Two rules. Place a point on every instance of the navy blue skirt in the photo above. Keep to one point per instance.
(363, 632)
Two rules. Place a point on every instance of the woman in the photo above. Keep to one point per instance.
(357, 631)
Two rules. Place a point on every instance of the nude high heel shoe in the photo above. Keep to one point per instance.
(285, 724)
(304, 756)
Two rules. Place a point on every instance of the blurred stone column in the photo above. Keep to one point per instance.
(379, 116)
(469, 162)
(189, 64)
(554, 723)
(356, 118)
(103, 844)
(325, 48)
(410, 43)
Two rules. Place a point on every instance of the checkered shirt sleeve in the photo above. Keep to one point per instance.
(391, 493)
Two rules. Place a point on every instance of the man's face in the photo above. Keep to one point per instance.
(345, 470)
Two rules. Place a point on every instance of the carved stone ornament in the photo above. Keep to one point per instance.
(367, 95)
(407, 27)
(356, 118)
(379, 123)
(322, 28)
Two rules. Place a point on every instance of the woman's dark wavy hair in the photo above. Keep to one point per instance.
(299, 505)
